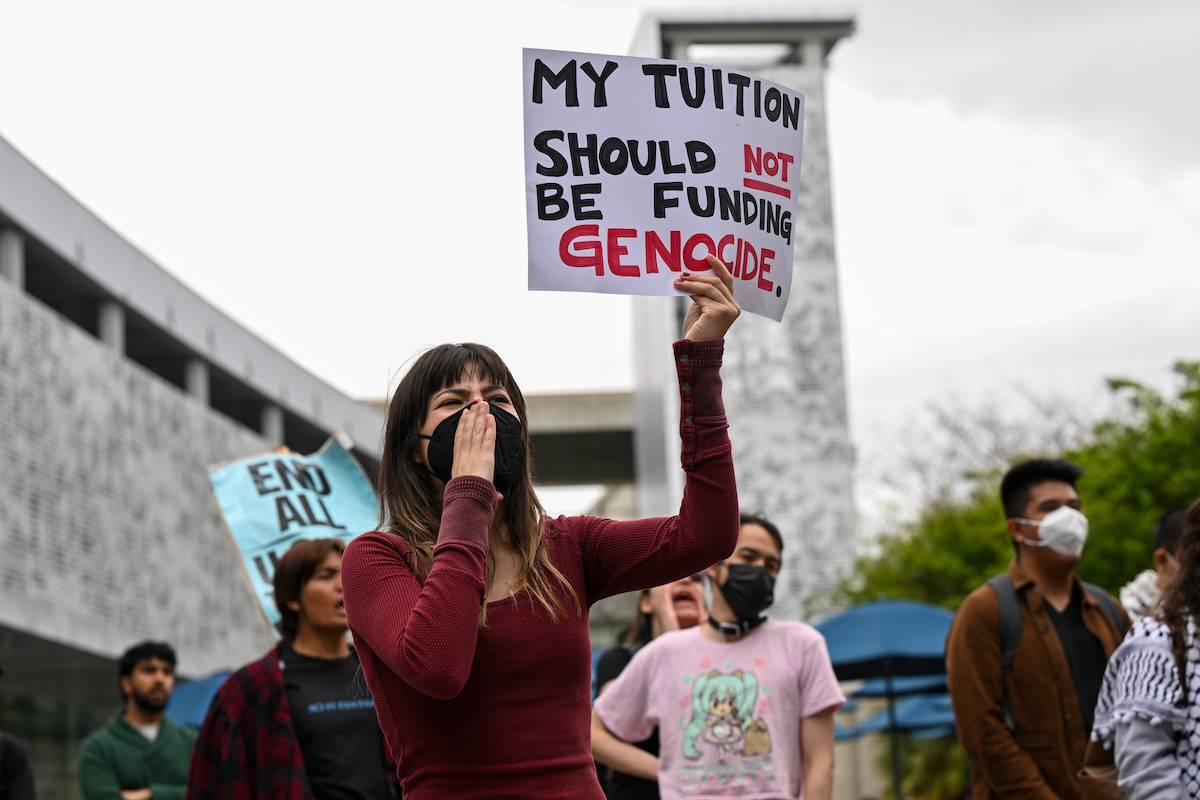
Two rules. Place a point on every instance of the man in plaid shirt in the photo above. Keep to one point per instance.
(298, 723)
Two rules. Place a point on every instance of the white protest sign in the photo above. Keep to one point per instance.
(635, 169)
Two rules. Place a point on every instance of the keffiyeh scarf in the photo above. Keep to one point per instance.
(1143, 680)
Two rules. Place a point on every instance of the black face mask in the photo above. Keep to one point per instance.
(510, 448)
(749, 591)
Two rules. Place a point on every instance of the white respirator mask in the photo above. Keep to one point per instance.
(1064, 530)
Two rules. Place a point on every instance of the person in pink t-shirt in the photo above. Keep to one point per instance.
(744, 706)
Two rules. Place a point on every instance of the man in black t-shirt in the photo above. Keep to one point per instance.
(306, 697)
(335, 725)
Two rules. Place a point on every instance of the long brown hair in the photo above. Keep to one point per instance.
(1182, 595)
(408, 496)
(640, 629)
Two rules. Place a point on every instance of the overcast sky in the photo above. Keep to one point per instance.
(1017, 184)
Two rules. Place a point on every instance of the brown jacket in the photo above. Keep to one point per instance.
(1040, 757)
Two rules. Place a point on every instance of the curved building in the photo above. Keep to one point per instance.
(119, 386)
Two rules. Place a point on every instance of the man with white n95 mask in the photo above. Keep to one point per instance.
(1026, 652)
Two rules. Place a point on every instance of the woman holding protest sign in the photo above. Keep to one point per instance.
(469, 608)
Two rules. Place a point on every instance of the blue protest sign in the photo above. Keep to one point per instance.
(274, 500)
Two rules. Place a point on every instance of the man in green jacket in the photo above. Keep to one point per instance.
(139, 754)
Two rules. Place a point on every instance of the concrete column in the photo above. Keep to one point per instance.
(112, 325)
(812, 53)
(678, 49)
(272, 424)
(12, 257)
(195, 379)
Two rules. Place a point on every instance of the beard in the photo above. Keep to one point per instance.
(148, 704)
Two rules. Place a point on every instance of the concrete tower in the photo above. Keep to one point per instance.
(785, 386)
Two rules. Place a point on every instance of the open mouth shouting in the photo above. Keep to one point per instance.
(686, 602)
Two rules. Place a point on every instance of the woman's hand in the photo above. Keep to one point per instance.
(662, 609)
(713, 308)
(475, 443)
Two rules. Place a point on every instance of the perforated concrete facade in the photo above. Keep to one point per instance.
(107, 523)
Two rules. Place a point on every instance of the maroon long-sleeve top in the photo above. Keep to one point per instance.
(502, 709)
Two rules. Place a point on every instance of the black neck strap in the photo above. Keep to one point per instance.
(734, 630)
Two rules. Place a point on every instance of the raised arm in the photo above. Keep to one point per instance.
(424, 632)
(622, 556)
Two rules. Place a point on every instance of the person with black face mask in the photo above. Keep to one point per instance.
(139, 754)
(469, 607)
(760, 694)
(508, 455)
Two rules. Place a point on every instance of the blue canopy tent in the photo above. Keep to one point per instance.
(924, 717)
(189, 703)
(901, 687)
(931, 734)
(876, 688)
(888, 640)
(917, 713)
(841, 734)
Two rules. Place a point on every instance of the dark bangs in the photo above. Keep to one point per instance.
(435, 369)
(409, 500)
(447, 364)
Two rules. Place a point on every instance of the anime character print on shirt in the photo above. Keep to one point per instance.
(724, 733)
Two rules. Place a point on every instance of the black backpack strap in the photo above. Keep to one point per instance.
(1010, 634)
(1110, 607)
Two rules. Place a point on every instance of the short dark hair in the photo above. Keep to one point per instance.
(765, 524)
(1015, 486)
(293, 571)
(1170, 529)
(143, 651)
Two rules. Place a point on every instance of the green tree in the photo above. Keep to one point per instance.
(1137, 463)
(1135, 469)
